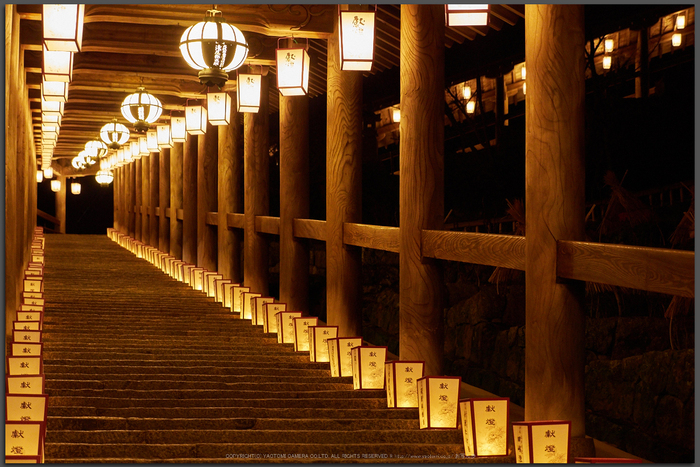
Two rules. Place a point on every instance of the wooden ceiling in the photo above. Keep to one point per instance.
(125, 46)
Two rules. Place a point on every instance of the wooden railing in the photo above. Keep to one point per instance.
(50, 218)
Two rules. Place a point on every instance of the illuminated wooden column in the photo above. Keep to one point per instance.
(230, 198)
(294, 199)
(257, 199)
(131, 171)
(164, 200)
(61, 203)
(554, 195)
(206, 197)
(176, 226)
(138, 193)
(189, 200)
(421, 186)
(343, 193)
(145, 200)
(116, 186)
(154, 174)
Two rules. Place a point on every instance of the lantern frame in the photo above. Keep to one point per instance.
(529, 445)
(196, 119)
(470, 430)
(340, 358)
(424, 389)
(466, 14)
(141, 109)
(284, 322)
(296, 84)
(301, 327)
(69, 36)
(248, 92)
(178, 129)
(364, 59)
(360, 380)
(393, 392)
(57, 65)
(219, 113)
(164, 136)
(52, 108)
(152, 140)
(317, 342)
(270, 311)
(54, 90)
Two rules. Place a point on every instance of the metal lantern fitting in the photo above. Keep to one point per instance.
(340, 354)
(114, 134)
(285, 326)
(39, 176)
(215, 47)
(57, 65)
(55, 185)
(467, 15)
(301, 332)
(292, 71)
(178, 129)
(196, 119)
(219, 108)
(143, 146)
(63, 27)
(541, 442)
(104, 177)
(318, 342)
(96, 149)
(75, 188)
(485, 426)
(438, 401)
(248, 92)
(165, 138)
(676, 39)
(152, 140)
(54, 90)
(402, 383)
(356, 39)
(368, 367)
(141, 109)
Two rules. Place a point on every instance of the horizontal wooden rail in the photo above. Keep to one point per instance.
(310, 228)
(212, 218)
(167, 212)
(235, 220)
(371, 236)
(506, 251)
(48, 217)
(180, 215)
(653, 269)
(267, 224)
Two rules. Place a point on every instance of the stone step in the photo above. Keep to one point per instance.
(154, 354)
(139, 347)
(197, 382)
(227, 391)
(288, 369)
(217, 361)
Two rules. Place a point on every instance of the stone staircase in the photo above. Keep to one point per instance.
(141, 368)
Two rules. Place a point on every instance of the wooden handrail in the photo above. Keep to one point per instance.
(267, 224)
(48, 217)
(371, 236)
(506, 251)
(310, 228)
(235, 220)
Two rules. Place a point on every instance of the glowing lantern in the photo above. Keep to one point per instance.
(285, 326)
(55, 185)
(104, 177)
(318, 342)
(196, 119)
(141, 109)
(48, 172)
(27, 438)
(63, 27)
(96, 149)
(135, 149)
(607, 62)
(57, 66)
(438, 401)
(396, 115)
(143, 146)
(52, 108)
(19, 406)
(114, 134)
(292, 71)
(165, 138)
(75, 188)
(54, 90)
(152, 140)
(471, 105)
(219, 286)
(676, 39)
(542, 442)
(523, 72)
(219, 108)
(248, 92)
(23, 365)
(237, 292)
(402, 383)
(356, 39)
(339, 351)
(467, 15)
(258, 309)
(270, 311)
(248, 306)
(301, 332)
(485, 426)
(368, 367)
(39, 176)
(228, 290)
(178, 129)
(467, 92)
(609, 45)
(680, 21)
(196, 278)
(211, 284)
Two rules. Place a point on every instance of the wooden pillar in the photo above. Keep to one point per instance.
(154, 174)
(164, 200)
(421, 185)
(124, 204)
(138, 194)
(189, 200)
(499, 109)
(176, 200)
(116, 186)
(206, 197)
(230, 178)
(257, 198)
(131, 171)
(61, 203)
(294, 200)
(145, 200)
(641, 63)
(343, 194)
(554, 196)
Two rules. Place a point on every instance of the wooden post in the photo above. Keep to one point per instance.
(230, 178)
(421, 185)
(189, 200)
(131, 171)
(554, 194)
(206, 197)
(61, 203)
(153, 202)
(145, 200)
(294, 199)
(116, 187)
(343, 194)
(641, 63)
(138, 193)
(176, 200)
(164, 200)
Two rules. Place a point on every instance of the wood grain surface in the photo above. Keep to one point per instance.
(211, 218)
(235, 220)
(267, 224)
(207, 181)
(506, 251)
(154, 187)
(176, 200)
(189, 200)
(310, 228)
(131, 198)
(377, 237)
(138, 198)
(145, 199)
(164, 200)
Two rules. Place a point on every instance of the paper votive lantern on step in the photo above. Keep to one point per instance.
(208, 281)
(285, 326)
(25, 365)
(211, 284)
(187, 273)
(485, 426)
(368, 367)
(301, 332)
(248, 305)
(25, 407)
(237, 298)
(24, 441)
(318, 342)
(25, 384)
(340, 354)
(258, 310)
(402, 383)
(541, 442)
(196, 278)
(219, 289)
(438, 401)
(606, 460)
(270, 311)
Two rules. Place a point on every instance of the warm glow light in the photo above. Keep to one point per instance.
(301, 332)
(270, 311)
(96, 149)
(178, 129)
(676, 39)
(356, 39)
(165, 139)
(152, 139)
(467, 92)
(368, 367)
(57, 65)
(471, 105)
(524, 89)
(542, 442)
(523, 72)
(141, 109)
(196, 119)
(340, 352)
(54, 118)
(609, 46)
(607, 62)
(114, 134)
(285, 326)
(54, 90)
(75, 188)
(467, 15)
(55, 185)
(51, 108)
(438, 399)
(63, 27)
(143, 146)
(402, 383)
(219, 108)
(485, 426)
(292, 71)
(48, 172)
(396, 115)
(104, 177)
(318, 342)
(39, 176)
(248, 92)
(680, 21)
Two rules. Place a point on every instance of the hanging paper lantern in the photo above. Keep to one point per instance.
(219, 108)
(141, 109)
(292, 71)
(248, 92)
(114, 134)
(356, 39)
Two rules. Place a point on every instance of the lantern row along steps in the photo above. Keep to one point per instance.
(141, 368)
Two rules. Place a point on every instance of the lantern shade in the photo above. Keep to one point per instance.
(96, 149)
(285, 326)
(30, 443)
(258, 309)
(152, 139)
(196, 119)
(63, 27)
(438, 401)
(607, 62)
(104, 177)
(485, 426)
(292, 71)
(39, 176)
(57, 65)
(248, 92)
(51, 117)
(318, 342)
(135, 150)
(402, 383)
(541, 442)
(75, 188)
(356, 40)
(141, 109)
(143, 146)
(51, 107)
(340, 354)
(301, 332)
(609, 45)
(219, 108)
(165, 138)
(178, 129)
(114, 134)
(465, 14)
(54, 90)
(248, 308)
(270, 311)
(676, 39)
(368, 367)
(48, 172)
(55, 185)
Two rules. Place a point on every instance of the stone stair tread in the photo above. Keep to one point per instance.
(297, 403)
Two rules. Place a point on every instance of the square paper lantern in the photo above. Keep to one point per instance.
(466, 14)
(270, 311)
(542, 442)
(248, 92)
(54, 108)
(22, 407)
(178, 129)
(248, 305)
(187, 273)
(237, 298)
(292, 71)
(438, 401)
(63, 27)
(219, 108)
(25, 365)
(143, 146)
(152, 139)
(301, 332)
(285, 326)
(339, 352)
(56, 91)
(219, 289)
(356, 39)
(368, 367)
(196, 119)
(258, 310)
(57, 65)
(24, 440)
(485, 426)
(19, 349)
(24, 384)
(211, 284)
(164, 137)
(402, 383)
(135, 150)
(196, 278)
(318, 342)
(227, 291)
(606, 460)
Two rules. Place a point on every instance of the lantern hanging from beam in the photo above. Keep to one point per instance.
(609, 45)
(248, 92)
(57, 65)
(152, 140)
(292, 71)
(165, 137)
(143, 146)
(542, 442)
(485, 426)
(196, 119)
(178, 129)
(356, 39)
(104, 177)
(676, 39)
(96, 149)
(402, 383)
(50, 130)
(368, 367)
(215, 47)
(55, 185)
(465, 14)
(63, 27)
(340, 354)
(75, 188)
(438, 401)
(607, 62)
(52, 107)
(301, 332)
(285, 326)
(135, 150)
(48, 172)
(114, 134)
(51, 118)
(39, 176)
(141, 109)
(219, 108)
(54, 90)
(318, 342)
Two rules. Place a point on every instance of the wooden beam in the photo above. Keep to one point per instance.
(310, 228)
(267, 224)
(507, 251)
(212, 218)
(236, 220)
(377, 237)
